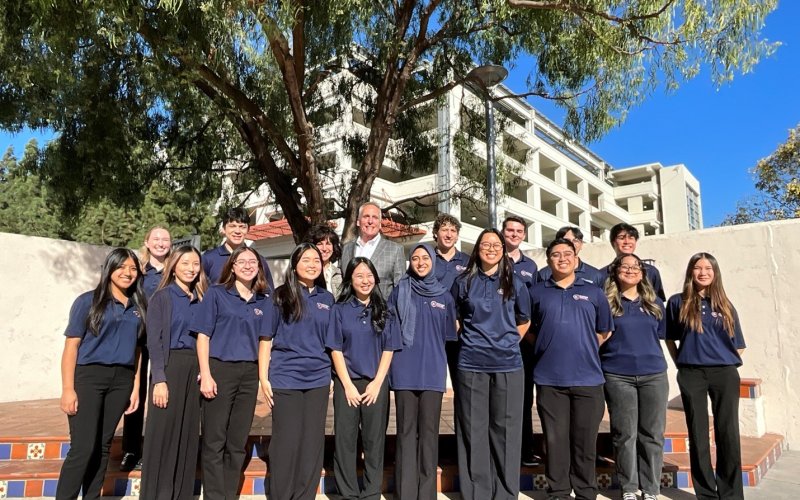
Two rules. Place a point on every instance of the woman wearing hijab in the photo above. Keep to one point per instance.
(427, 314)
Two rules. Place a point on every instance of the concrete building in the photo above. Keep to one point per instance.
(556, 181)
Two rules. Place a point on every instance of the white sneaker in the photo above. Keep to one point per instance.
(648, 496)
(629, 496)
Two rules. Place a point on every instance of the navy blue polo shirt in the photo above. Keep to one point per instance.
(634, 348)
(713, 347)
(565, 322)
(489, 336)
(423, 366)
(350, 332)
(232, 323)
(214, 260)
(119, 332)
(526, 270)
(298, 359)
(447, 270)
(151, 279)
(652, 275)
(183, 310)
(589, 274)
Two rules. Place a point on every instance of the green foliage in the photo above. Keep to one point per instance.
(778, 182)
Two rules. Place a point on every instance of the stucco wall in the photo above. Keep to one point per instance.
(760, 265)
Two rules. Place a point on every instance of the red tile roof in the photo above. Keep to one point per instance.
(278, 228)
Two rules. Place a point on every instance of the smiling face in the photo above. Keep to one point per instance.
(369, 222)
(513, 233)
(325, 248)
(158, 243)
(446, 237)
(624, 243)
(234, 233)
(245, 267)
(421, 262)
(561, 261)
(702, 275)
(490, 251)
(629, 272)
(363, 282)
(124, 276)
(186, 269)
(308, 267)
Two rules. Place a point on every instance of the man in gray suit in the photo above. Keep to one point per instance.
(386, 255)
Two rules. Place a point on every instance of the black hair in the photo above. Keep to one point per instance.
(377, 304)
(102, 293)
(622, 227)
(559, 241)
(289, 296)
(228, 277)
(237, 214)
(322, 232)
(505, 267)
(576, 232)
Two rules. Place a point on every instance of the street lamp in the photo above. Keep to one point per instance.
(484, 78)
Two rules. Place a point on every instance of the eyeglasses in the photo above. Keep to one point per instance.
(559, 255)
(246, 263)
(491, 246)
(630, 269)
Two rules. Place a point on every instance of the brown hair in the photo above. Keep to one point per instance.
(690, 314)
(228, 278)
(200, 283)
(647, 295)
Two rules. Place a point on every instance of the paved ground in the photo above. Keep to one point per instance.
(781, 483)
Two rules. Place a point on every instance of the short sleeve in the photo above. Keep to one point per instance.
(78, 315)
(738, 336)
(204, 318)
(522, 303)
(662, 323)
(674, 330)
(604, 321)
(657, 285)
(391, 339)
(450, 322)
(274, 320)
(334, 337)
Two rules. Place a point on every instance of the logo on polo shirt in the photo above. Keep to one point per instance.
(137, 313)
(324, 307)
(460, 268)
(500, 291)
(715, 314)
(641, 309)
(437, 305)
(578, 296)
(258, 312)
(527, 274)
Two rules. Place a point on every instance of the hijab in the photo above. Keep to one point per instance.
(411, 284)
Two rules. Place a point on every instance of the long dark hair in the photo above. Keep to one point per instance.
(505, 266)
(690, 313)
(647, 295)
(228, 278)
(377, 304)
(289, 296)
(102, 293)
(200, 283)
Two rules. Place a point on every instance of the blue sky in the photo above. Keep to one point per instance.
(719, 134)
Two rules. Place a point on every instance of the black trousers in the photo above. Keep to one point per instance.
(226, 425)
(104, 393)
(417, 444)
(372, 421)
(298, 442)
(721, 383)
(526, 349)
(488, 431)
(570, 419)
(171, 442)
(133, 424)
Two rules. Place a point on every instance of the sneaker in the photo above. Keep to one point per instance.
(629, 496)
(129, 462)
(531, 461)
(138, 465)
(648, 496)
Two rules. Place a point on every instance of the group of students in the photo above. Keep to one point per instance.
(217, 330)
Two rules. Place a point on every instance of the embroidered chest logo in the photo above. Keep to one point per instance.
(715, 314)
(527, 274)
(500, 291)
(578, 296)
(258, 312)
(460, 268)
(641, 309)
(437, 305)
(324, 307)
(137, 314)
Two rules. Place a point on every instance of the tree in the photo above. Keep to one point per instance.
(778, 182)
(208, 83)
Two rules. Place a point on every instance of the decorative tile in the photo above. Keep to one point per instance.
(120, 487)
(52, 450)
(247, 487)
(5, 451)
(64, 449)
(526, 482)
(3, 489)
(34, 487)
(603, 481)
(136, 486)
(668, 445)
(259, 486)
(684, 480)
(16, 489)
(667, 480)
(540, 482)
(49, 489)
(35, 451)
(19, 451)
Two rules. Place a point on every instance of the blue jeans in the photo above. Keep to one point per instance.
(638, 409)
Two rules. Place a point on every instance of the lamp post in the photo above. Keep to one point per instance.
(486, 77)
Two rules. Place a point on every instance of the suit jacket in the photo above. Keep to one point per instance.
(389, 260)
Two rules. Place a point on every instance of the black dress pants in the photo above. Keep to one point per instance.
(721, 383)
(133, 424)
(104, 392)
(417, 444)
(226, 425)
(297, 443)
(372, 421)
(570, 419)
(526, 349)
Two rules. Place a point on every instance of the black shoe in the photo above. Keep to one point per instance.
(129, 462)
(531, 461)
(138, 465)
